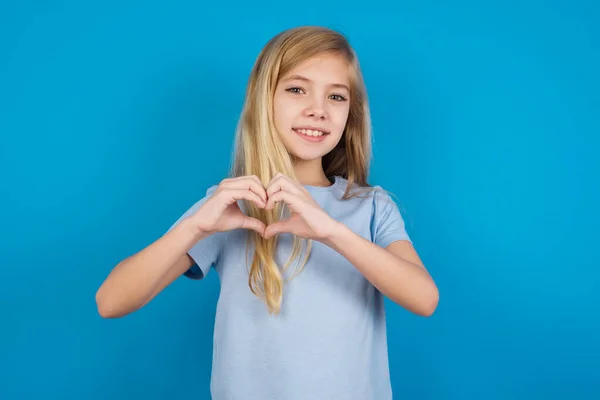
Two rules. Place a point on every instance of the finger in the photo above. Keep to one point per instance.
(257, 188)
(254, 224)
(279, 177)
(248, 183)
(253, 178)
(276, 228)
(230, 196)
(293, 201)
(281, 182)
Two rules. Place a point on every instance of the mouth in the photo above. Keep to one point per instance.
(311, 134)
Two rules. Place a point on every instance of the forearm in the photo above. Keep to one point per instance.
(405, 283)
(135, 279)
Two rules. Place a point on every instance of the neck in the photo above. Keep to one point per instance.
(311, 173)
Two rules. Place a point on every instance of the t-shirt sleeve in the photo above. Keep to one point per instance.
(205, 252)
(387, 224)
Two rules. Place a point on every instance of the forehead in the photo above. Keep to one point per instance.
(325, 69)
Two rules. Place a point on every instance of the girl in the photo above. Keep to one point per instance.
(304, 247)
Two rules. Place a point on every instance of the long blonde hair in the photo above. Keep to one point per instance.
(259, 150)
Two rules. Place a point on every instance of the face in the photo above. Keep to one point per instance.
(311, 105)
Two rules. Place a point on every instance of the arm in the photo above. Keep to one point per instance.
(395, 271)
(139, 278)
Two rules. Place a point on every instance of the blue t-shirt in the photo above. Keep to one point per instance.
(329, 339)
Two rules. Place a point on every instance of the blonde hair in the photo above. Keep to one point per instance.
(259, 150)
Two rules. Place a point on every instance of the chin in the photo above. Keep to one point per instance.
(305, 156)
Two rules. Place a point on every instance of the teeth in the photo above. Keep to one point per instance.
(310, 132)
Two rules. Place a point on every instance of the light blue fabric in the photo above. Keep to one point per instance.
(329, 341)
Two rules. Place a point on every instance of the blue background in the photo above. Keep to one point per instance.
(115, 117)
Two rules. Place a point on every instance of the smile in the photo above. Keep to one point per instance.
(311, 135)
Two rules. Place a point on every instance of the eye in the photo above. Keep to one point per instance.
(295, 90)
(338, 97)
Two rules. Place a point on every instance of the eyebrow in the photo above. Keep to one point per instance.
(305, 79)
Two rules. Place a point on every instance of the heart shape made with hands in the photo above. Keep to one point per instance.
(307, 220)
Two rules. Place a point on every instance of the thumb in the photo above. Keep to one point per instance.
(276, 227)
(254, 224)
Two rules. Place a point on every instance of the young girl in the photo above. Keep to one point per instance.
(304, 247)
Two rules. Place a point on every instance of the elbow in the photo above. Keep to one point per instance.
(105, 306)
(106, 312)
(430, 303)
(423, 304)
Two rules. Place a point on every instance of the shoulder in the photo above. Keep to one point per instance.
(373, 199)
(387, 220)
(383, 197)
(376, 194)
(210, 190)
(384, 203)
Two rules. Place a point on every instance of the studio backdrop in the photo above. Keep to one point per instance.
(116, 116)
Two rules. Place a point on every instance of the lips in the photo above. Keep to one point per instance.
(311, 128)
(311, 131)
(311, 134)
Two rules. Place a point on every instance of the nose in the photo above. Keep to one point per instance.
(316, 109)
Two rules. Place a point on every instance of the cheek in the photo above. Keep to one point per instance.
(282, 113)
(340, 117)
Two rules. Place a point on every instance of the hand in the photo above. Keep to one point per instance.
(221, 212)
(308, 220)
